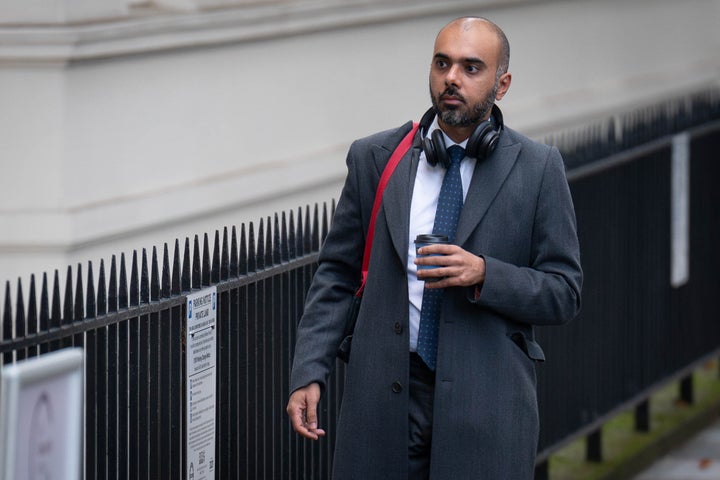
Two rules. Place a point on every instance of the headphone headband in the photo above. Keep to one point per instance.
(480, 144)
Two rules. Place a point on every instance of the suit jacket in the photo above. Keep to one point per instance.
(518, 214)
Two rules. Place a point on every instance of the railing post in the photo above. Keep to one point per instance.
(542, 470)
(642, 416)
(593, 452)
(686, 390)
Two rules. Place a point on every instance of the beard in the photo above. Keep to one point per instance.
(467, 115)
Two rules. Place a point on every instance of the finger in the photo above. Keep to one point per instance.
(443, 249)
(295, 412)
(301, 427)
(311, 420)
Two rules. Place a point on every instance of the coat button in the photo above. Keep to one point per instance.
(397, 387)
(398, 328)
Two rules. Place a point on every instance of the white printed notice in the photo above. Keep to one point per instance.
(201, 348)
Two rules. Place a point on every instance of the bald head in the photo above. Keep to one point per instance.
(467, 23)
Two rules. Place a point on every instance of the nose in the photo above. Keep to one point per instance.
(453, 76)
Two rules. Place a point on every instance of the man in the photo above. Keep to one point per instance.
(462, 403)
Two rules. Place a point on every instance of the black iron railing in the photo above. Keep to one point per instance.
(635, 331)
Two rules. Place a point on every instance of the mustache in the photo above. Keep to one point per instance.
(452, 92)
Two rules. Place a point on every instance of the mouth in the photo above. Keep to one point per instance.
(451, 99)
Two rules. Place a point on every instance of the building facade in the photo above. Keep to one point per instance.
(125, 124)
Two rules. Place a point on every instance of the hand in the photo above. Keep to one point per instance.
(302, 410)
(457, 267)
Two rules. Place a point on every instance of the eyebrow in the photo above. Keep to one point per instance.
(444, 56)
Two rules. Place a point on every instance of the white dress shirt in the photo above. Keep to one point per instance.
(422, 217)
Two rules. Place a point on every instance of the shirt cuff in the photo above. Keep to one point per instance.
(473, 293)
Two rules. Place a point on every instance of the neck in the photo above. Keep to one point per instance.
(456, 134)
(459, 134)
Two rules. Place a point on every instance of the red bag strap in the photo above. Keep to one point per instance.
(395, 158)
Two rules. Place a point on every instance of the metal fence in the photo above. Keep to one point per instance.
(635, 332)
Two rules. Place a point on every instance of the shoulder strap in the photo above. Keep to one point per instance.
(395, 158)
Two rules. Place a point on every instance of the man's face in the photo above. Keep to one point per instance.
(463, 74)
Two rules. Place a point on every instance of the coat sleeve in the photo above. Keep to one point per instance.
(547, 291)
(322, 326)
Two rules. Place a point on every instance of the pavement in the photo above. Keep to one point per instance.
(696, 459)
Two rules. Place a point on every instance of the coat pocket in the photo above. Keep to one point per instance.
(531, 348)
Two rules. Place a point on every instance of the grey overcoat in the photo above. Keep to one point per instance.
(519, 216)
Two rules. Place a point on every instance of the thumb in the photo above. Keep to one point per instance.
(312, 400)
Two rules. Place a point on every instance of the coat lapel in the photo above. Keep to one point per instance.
(397, 197)
(487, 179)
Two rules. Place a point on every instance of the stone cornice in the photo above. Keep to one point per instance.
(148, 30)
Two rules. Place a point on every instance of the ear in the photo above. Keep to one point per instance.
(503, 85)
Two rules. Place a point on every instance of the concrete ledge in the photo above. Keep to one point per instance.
(664, 444)
(627, 452)
(151, 29)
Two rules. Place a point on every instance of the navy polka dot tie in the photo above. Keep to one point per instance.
(450, 202)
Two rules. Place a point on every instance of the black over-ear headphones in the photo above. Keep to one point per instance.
(480, 145)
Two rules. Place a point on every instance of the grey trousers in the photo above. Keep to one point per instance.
(420, 416)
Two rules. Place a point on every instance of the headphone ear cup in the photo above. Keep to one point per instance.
(429, 149)
(483, 141)
(439, 150)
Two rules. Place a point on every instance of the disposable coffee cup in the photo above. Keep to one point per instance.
(423, 240)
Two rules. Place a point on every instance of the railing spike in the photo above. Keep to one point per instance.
(251, 253)
(90, 298)
(134, 281)
(154, 277)
(20, 321)
(283, 241)
(79, 309)
(292, 246)
(79, 304)
(206, 265)
(56, 311)
(325, 223)
(300, 237)
(112, 286)
(234, 253)
(122, 284)
(44, 320)
(269, 244)
(67, 316)
(214, 274)
(176, 285)
(101, 291)
(243, 260)
(165, 285)
(32, 314)
(276, 243)
(186, 268)
(316, 230)
(307, 231)
(196, 265)
(260, 254)
(224, 257)
(144, 279)
(7, 334)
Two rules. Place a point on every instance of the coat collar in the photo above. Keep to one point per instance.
(488, 177)
(398, 194)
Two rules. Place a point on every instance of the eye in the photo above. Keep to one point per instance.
(472, 68)
(441, 63)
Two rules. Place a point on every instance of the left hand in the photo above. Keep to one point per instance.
(457, 267)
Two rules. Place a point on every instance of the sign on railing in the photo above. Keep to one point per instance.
(41, 417)
(201, 354)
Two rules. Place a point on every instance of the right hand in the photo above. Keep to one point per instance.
(302, 410)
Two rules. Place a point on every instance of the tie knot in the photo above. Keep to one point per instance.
(457, 153)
